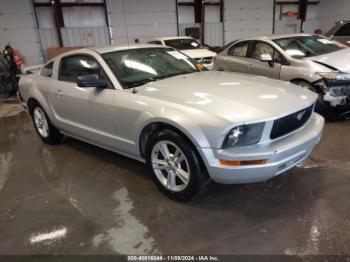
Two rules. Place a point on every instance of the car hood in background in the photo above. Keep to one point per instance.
(234, 97)
(198, 53)
(339, 60)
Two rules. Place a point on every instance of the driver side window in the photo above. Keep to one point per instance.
(73, 66)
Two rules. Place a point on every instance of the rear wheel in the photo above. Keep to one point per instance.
(46, 131)
(322, 107)
(176, 168)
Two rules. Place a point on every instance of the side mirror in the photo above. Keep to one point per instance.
(266, 58)
(91, 81)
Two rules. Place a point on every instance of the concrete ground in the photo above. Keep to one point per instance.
(76, 198)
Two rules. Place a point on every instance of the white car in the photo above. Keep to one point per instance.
(189, 47)
(155, 105)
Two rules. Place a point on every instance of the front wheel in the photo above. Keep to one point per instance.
(46, 131)
(175, 165)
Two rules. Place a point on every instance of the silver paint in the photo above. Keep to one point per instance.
(204, 106)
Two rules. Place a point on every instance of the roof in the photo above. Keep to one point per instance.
(106, 49)
(172, 38)
(111, 48)
(272, 37)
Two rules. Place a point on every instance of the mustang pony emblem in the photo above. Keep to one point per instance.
(300, 115)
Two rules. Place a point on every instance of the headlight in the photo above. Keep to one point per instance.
(244, 135)
(340, 76)
(336, 83)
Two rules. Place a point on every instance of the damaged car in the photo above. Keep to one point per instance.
(311, 61)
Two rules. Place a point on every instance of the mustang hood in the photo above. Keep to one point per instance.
(339, 60)
(198, 53)
(235, 97)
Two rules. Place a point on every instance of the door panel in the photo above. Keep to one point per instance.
(88, 112)
(236, 58)
(236, 64)
(257, 67)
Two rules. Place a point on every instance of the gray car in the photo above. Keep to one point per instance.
(340, 32)
(155, 105)
(311, 61)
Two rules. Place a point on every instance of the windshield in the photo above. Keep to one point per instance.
(135, 67)
(307, 46)
(183, 43)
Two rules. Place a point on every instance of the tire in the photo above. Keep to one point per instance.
(179, 174)
(322, 107)
(46, 131)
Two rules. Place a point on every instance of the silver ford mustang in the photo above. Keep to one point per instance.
(158, 106)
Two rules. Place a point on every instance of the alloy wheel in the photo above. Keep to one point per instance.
(170, 166)
(41, 122)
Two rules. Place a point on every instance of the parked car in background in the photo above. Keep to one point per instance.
(189, 47)
(310, 61)
(155, 105)
(340, 32)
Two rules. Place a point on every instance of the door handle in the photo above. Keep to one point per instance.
(250, 66)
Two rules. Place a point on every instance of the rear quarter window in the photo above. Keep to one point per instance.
(239, 49)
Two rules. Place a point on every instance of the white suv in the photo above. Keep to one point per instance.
(189, 47)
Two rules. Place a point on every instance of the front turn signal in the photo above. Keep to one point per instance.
(242, 162)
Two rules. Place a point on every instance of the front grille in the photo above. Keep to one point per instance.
(290, 123)
(204, 60)
(207, 60)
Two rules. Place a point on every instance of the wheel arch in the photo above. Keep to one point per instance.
(31, 103)
(36, 96)
(156, 126)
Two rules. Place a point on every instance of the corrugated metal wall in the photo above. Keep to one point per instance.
(18, 28)
(247, 18)
(130, 19)
(213, 26)
(292, 24)
(85, 36)
(331, 12)
(84, 26)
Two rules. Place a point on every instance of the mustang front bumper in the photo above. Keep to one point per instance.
(281, 154)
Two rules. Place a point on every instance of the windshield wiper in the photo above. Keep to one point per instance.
(153, 79)
(139, 83)
(175, 74)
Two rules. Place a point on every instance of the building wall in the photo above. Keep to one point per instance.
(18, 28)
(213, 26)
(146, 19)
(247, 18)
(292, 24)
(332, 11)
(130, 19)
